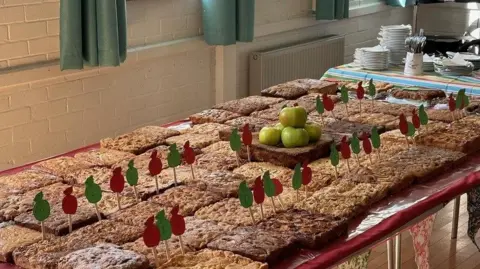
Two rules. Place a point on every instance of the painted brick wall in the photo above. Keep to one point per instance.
(358, 31)
(448, 19)
(44, 112)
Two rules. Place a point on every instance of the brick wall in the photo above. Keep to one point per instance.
(361, 31)
(44, 112)
(447, 19)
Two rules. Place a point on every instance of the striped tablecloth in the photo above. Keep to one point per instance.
(396, 77)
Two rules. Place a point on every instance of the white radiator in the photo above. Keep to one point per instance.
(306, 60)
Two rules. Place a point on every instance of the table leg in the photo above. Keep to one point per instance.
(390, 253)
(456, 212)
(398, 251)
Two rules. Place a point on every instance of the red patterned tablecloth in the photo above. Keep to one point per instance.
(381, 220)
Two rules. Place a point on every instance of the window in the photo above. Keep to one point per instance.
(355, 3)
(362, 3)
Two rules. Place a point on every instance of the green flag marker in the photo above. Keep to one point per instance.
(246, 198)
(319, 106)
(466, 100)
(132, 174)
(235, 140)
(355, 143)
(41, 210)
(165, 229)
(297, 177)
(132, 177)
(269, 187)
(268, 184)
(174, 158)
(375, 137)
(334, 158)
(344, 94)
(372, 91)
(411, 129)
(245, 195)
(236, 143)
(93, 193)
(163, 226)
(459, 99)
(422, 114)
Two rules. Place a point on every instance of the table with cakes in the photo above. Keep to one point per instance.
(306, 175)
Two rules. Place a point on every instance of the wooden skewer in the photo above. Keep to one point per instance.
(98, 213)
(193, 173)
(118, 201)
(155, 255)
(273, 203)
(136, 193)
(156, 184)
(69, 223)
(281, 202)
(175, 175)
(251, 215)
(42, 226)
(167, 249)
(261, 211)
(182, 248)
(248, 154)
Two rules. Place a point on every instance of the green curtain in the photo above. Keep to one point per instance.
(245, 20)
(332, 9)
(92, 32)
(227, 21)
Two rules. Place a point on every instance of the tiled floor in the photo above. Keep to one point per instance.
(445, 253)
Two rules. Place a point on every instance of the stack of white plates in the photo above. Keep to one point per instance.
(375, 58)
(428, 63)
(393, 37)
(453, 67)
(469, 57)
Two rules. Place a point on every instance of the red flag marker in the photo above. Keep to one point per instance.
(69, 205)
(189, 156)
(151, 237)
(117, 184)
(403, 126)
(360, 94)
(367, 145)
(306, 176)
(345, 151)
(328, 103)
(278, 190)
(155, 167)
(178, 225)
(259, 194)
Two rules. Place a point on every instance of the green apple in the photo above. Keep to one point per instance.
(293, 117)
(294, 137)
(314, 131)
(279, 126)
(269, 136)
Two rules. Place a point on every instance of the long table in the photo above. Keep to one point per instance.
(396, 77)
(381, 222)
